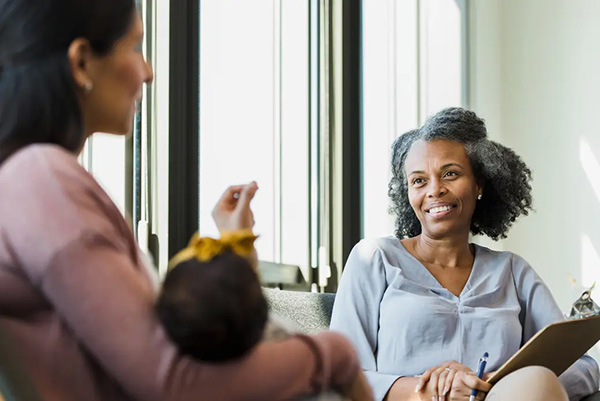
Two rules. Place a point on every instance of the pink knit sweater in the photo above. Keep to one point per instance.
(78, 301)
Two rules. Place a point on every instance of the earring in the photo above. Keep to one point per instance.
(88, 87)
(479, 197)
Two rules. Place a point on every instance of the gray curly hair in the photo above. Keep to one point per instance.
(503, 174)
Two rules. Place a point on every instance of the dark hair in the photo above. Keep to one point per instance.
(215, 310)
(504, 176)
(38, 100)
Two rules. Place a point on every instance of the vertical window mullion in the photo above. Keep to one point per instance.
(183, 123)
(315, 123)
(277, 132)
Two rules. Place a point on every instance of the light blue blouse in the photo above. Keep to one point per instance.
(402, 321)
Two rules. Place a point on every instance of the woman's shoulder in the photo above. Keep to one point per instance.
(504, 258)
(369, 247)
(378, 256)
(45, 167)
(382, 243)
(42, 164)
(50, 199)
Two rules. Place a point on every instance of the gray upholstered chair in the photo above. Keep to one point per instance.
(311, 312)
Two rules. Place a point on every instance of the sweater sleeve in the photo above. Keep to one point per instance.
(539, 309)
(356, 310)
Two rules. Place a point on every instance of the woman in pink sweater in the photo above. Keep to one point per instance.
(75, 295)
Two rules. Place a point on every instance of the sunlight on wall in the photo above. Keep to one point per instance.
(590, 264)
(590, 165)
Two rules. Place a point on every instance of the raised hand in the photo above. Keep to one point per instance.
(232, 212)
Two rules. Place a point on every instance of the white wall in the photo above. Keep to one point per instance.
(535, 78)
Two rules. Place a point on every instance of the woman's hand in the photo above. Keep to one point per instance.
(464, 383)
(437, 381)
(232, 212)
(359, 389)
(487, 375)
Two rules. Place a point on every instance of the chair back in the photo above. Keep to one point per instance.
(311, 312)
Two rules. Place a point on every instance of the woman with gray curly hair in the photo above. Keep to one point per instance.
(424, 305)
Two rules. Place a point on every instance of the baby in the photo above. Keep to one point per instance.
(211, 303)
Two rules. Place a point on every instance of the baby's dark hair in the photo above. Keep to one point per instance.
(215, 310)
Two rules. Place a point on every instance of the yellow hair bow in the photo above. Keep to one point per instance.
(205, 248)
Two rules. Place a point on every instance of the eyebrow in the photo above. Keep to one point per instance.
(445, 166)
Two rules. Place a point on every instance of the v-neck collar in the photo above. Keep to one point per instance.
(467, 285)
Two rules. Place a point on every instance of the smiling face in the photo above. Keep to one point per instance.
(117, 80)
(442, 189)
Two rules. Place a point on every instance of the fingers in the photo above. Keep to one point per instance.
(232, 211)
(433, 383)
(228, 200)
(447, 385)
(423, 380)
(247, 193)
(425, 377)
(232, 192)
(231, 196)
(441, 384)
(472, 381)
(458, 366)
(488, 375)
(480, 396)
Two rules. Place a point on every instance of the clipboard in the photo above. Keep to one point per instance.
(556, 347)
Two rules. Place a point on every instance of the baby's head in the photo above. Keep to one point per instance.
(213, 310)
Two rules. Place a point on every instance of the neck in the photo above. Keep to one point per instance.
(448, 252)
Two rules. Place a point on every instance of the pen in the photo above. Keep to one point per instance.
(480, 369)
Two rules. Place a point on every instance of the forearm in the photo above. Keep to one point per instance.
(403, 389)
(581, 378)
(279, 371)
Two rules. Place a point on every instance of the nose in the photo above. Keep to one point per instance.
(436, 188)
(149, 77)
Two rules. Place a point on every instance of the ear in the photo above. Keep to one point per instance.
(81, 57)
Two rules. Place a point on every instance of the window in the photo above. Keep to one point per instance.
(413, 66)
(104, 156)
(254, 119)
(278, 92)
(134, 170)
